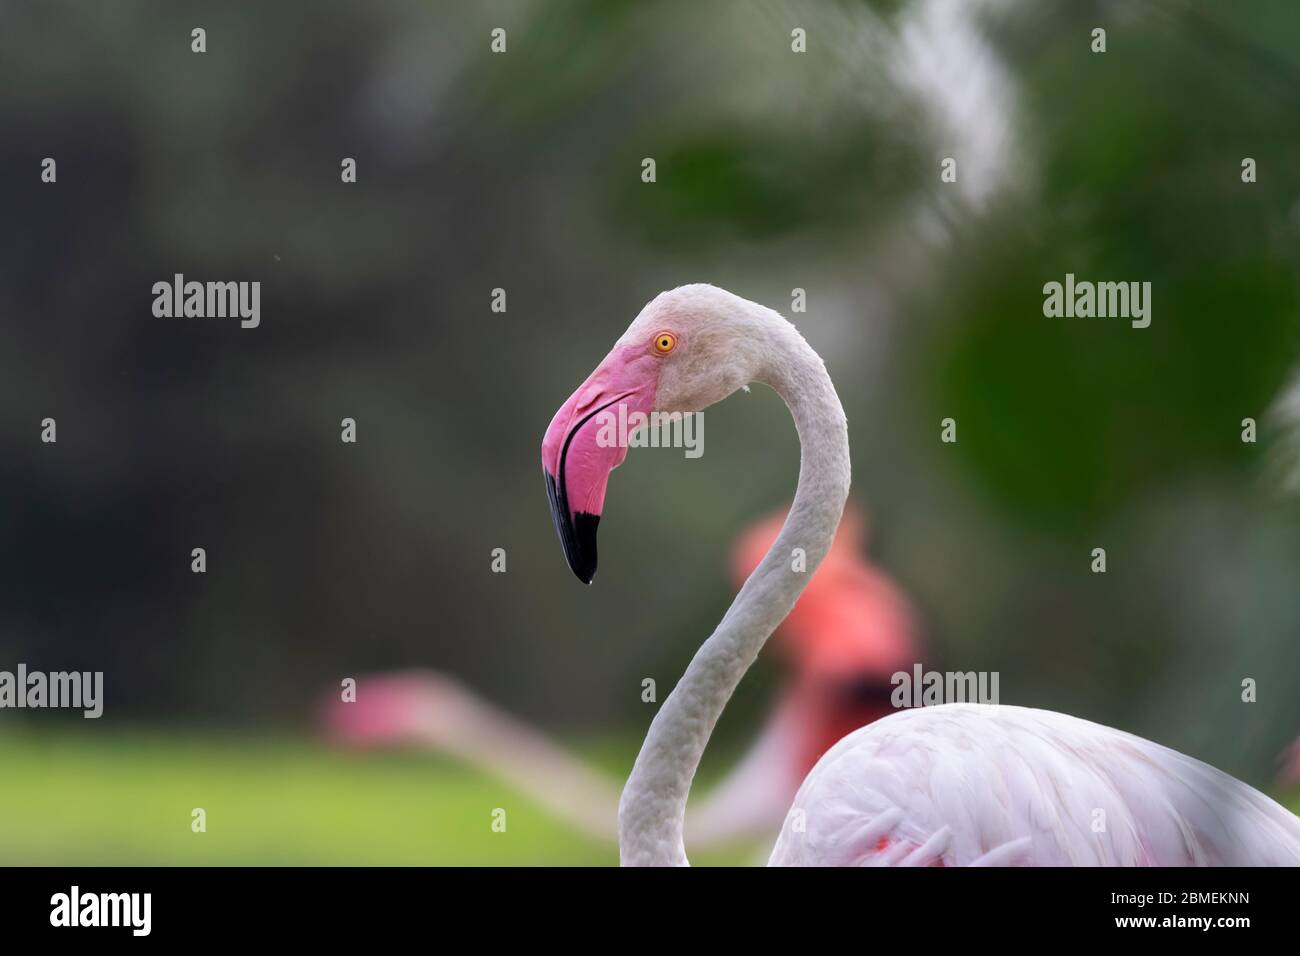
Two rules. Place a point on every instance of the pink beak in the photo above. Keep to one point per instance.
(578, 455)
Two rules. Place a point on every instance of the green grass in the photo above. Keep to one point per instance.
(79, 798)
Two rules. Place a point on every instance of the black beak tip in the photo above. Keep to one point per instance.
(577, 532)
(583, 558)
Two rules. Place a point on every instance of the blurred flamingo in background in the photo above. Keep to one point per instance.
(1289, 775)
(849, 633)
(1283, 470)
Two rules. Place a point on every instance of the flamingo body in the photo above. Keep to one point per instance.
(962, 784)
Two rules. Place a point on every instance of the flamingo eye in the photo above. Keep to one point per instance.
(665, 342)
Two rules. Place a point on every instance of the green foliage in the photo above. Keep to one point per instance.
(1068, 419)
(757, 184)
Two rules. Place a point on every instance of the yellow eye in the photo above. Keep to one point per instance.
(665, 342)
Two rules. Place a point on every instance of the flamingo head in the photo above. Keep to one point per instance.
(399, 709)
(688, 348)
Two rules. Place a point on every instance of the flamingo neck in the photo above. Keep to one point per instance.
(653, 805)
(510, 750)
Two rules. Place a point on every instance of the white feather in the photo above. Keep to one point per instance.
(1015, 785)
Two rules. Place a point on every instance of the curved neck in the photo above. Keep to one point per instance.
(653, 804)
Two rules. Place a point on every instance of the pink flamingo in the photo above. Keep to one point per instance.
(957, 784)
(851, 630)
(1289, 774)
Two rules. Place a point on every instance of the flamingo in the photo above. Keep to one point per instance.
(953, 784)
(1289, 774)
(851, 630)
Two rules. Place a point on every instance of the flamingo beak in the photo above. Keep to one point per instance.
(584, 444)
(577, 531)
